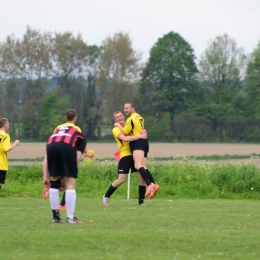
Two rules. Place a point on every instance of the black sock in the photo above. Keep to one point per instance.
(110, 191)
(150, 176)
(55, 213)
(142, 190)
(144, 175)
(62, 203)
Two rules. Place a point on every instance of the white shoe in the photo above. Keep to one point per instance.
(74, 221)
(105, 200)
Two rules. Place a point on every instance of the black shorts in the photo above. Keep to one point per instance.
(125, 164)
(62, 160)
(2, 176)
(140, 144)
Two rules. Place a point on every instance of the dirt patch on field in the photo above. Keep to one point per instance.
(106, 150)
(159, 150)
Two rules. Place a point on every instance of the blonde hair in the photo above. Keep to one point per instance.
(3, 122)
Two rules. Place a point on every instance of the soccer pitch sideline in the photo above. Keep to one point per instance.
(163, 229)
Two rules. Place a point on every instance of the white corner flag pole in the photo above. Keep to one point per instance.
(128, 184)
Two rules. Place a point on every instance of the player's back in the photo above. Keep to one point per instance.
(134, 124)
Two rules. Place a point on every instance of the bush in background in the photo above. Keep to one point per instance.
(184, 178)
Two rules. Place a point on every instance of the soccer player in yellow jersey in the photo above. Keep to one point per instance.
(126, 160)
(139, 148)
(5, 147)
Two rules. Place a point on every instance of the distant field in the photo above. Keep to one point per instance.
(106, 150)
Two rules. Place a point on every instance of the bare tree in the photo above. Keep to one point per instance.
(119, 73)
(35, 65)
(10, 91)
(69, 53)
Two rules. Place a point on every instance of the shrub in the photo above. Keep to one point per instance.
(182, 178)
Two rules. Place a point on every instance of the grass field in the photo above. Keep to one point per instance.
(163, 229)
(173, 225)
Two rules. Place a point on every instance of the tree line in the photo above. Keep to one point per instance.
(212, 99)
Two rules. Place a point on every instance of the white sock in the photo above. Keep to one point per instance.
(54, 198)
(70, 198)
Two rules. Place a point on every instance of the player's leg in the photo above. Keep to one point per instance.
(153, 189)
(54, 198)
(142, 189)
(113, 187)
(70, 197)
(138, 156)
(148, 172)
(55, 158)
(62, 205)
(124, 167)
(2, 177)
(156, 187)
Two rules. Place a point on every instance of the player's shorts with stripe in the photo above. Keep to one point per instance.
(140, 144)
(125, 164)
(62, 160)
(2, 176)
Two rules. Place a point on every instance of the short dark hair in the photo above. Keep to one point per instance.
(71, 114)
(131, 104)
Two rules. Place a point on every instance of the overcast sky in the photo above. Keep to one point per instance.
(197, 21)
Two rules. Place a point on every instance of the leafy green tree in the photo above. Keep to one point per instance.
(213, 112)
(168, 80)
(159, 129)
(222, 69)
(253, 84)
(192, 128)
(52, 114)
(119, 73)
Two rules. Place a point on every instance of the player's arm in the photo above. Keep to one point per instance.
(122, 136)
(46, 181)
(127, 138)
(16, 143)
(127, 128)
(81, 145)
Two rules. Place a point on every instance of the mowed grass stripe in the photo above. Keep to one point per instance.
(163, 229)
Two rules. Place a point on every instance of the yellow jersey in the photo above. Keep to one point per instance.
(5, 144)
(134, 124)
(123, 146)
(68, 124)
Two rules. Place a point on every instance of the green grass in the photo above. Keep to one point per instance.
(204, 158)
(163, 229)
(202, 211)
(181, 179)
